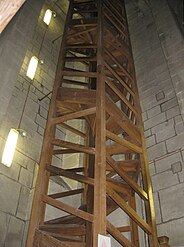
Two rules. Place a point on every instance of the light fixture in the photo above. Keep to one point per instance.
(10, 146)
(32, 67)
(47, 16)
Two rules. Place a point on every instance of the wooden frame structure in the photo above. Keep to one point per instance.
(114, 173)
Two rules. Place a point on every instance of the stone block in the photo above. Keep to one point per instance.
(160, 96)
(144, 116)
(43, 113)
(160, 118)
(172, 201)
(165, 163)
(175, 143)
(26, 177)
(162, 126)
(176, 167)
(9, 189)
(23, 203)
(173, 112)
(40, 121)
(166, 133)
(152, 169)
(174, 230)
(4, 221)
(14, 233)
(157, 208)
(154, 111)
(156, 151)
(163, 180)
(150, 141)
(11, 172)
(169, 104)
(147, 133)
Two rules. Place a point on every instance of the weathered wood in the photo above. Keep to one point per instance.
(132, 213)
(78, 114)
(118, 236)
(71, 210)
(7, 11)
(43, 239)
(129, 181)
(72, 175)
(77, 147)
(123, 142)
(66, 193)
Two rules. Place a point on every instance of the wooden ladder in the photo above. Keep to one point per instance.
(95, 86)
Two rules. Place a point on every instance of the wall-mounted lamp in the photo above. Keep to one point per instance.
(32, 67)
(10, 146)
(48, 15)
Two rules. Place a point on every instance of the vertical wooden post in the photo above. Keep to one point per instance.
(99, 225)
(38, 208)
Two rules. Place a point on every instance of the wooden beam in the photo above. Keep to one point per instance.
(7, 11)
(72, 175)
(128, 210)
(123, 142)
(115, 233)
(70, 116)
(67, 208)
(66, 193)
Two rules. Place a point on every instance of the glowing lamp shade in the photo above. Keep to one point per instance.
(10, 146)
(47, 16)
(32, 67)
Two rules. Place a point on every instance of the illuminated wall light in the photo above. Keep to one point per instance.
(10, 146)
(32, 67)
(47, 16)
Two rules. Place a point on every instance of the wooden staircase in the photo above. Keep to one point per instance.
(95, 85)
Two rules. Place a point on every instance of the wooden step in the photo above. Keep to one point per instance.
(43, 239)
(84, 22)
(79, 96)
(64, 229)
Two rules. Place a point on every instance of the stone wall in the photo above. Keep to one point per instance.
(21, 106)
(158, 50)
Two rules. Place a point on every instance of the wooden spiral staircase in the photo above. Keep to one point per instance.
(95, 82)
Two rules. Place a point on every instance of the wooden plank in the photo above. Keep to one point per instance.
(65, 151)
(124, 228)
(66, 193)
(122, 120)
(84, 22)
(71, 210)
(99, 225)
(123, 142)
(80, 96)
(116, 26)
(74, 82)
(43, 239)
(123, 83)
(78, 33)
(120, 95)
(39, 207)
(115, 233)
(7, 11)
(78, 147)
(80, 59)
(126, 73)
(72, 129)
(128, 210)
(79, 73)
(74, 115)
(72, 175)
(81, 46)
(127, 179)
(67, 229)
